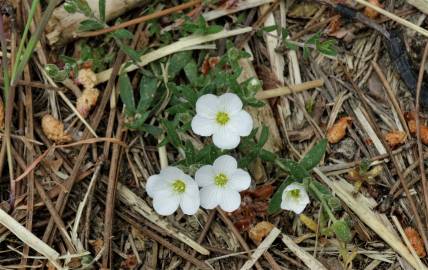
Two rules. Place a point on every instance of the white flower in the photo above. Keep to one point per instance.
(223, 118)
(294, 198)
(221, 184)
(171, 188)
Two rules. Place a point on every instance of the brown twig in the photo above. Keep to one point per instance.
(164, 242)
(375, 127)
(141, 19)
(233, 229)
(204, 233)
(418, 133)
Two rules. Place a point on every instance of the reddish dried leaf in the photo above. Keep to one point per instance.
(209, 63)
(334, 25)
(416, 241)
(371, 13)
(130, 262)
(269, 79)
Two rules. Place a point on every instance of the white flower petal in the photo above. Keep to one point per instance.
(225, 139)
(170, 174)
(293, 205)
(207, 106)
(203, 126)
(225, 164)
(241, 123)
(205, 176)
(154, 184)
(231, 200)
(239, 180)
(189, 204)
(165, 205)
(230, 102)
(210, 197)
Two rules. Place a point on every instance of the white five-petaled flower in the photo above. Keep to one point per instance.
(221, 184)
(223, 118)
(294, 198)
(172, 188)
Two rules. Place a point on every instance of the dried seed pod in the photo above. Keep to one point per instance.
(395, 138)
(87, 78)
(338, 131)
(87, 100)
(258, 232)
(209, 63)
(1, 114)
(54, 129)
(416, 241)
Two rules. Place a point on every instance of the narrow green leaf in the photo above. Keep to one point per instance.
(264, 136)
(148, 87)
(70, 6)
(314, 156)
(171, 133)
(212, 29)
(178, 62)
(123, 34)
(295, 170)
(90, 25)
(102, 9)
(270, 28)
(126, 93)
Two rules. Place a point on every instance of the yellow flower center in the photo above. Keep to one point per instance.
(220, 180)
(222, 118)
(179, 186)
(295, 193)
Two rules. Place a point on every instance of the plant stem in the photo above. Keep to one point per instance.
(24, 36)
(323, 202)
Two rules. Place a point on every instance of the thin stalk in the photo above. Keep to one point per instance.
(323, 202)
(33, 40)
(24, 36)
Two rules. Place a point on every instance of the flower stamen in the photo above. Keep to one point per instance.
(222, 118)
(221, 180)
(295, 193)
(179, 186)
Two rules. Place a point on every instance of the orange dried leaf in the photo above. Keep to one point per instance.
(371, 13)
(416, 241)
(54, 129)
(87, 100)
(97, 245)
(334, 25)
(411, 123)
(258, 232)
(395, 138)
(338, 131)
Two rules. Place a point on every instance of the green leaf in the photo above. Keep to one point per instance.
(267, 155)
(212, 29)
(327, 47)
(52, 70)
(134, 55)
(90, 25)
(295, 170)
(342, 230)
(148, 87)
(314, 39)
(264, 136)
(171, 133)
(270, 28)
(314, 156)
(291, 46)
(178, 62)
(102, 9)
(275, 202)
(83, 7)
(191, 71)
(123, 34)
(70, 6)
(126, 93)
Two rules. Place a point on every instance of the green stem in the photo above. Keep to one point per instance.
(323, 202)
(24, 36)
(34, 40)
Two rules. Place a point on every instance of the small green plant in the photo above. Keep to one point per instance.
(300, 172)
(200, 26)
